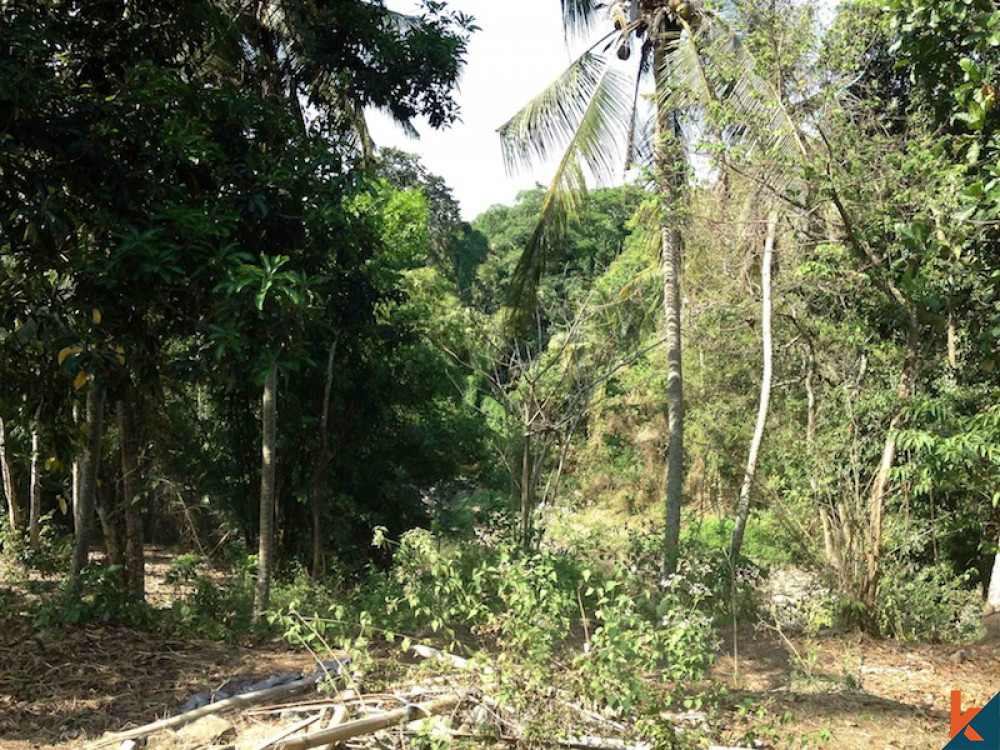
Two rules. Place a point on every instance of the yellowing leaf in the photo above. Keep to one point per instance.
(63, 508)
(80, 380)
(95, 315)
(66, 352)
(51, 463)
(120, 354)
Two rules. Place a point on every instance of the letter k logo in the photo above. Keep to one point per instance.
(959, 720)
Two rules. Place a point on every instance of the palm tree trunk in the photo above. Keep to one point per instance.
(35, 484)
(83, 510)
(743, 508)
(135, 561)
(76, 462)
(669, 160)
(265, 553)
(14, 516)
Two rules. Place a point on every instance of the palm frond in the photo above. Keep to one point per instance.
(631, 153)
(711, 68)
(587, 112)
(361, 136)
(578, 15)
(547, 122)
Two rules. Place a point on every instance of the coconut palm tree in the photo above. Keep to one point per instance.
(590, 113)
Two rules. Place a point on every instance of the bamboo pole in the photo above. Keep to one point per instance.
(237, 701)
(340, 715)
(371, 724)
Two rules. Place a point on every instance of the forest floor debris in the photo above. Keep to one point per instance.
(70, 687)
(839, 691)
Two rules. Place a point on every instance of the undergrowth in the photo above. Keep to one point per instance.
(547, 626)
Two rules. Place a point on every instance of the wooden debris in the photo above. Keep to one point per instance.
(205, 730)
(237, 701)
(289, 732)
(339, 715)
(574, 743)
(371, 724)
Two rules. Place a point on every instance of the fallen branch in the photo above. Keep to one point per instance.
(574, 743)
(428, 652)
(348, 696)
(371, 724)
(338, 718)
(289, 732)
(237, 701)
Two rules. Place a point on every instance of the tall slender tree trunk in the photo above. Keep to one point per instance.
(952, 339)
(269, 439)
(991, 612)
(14, 513)
(526, 486)
(832, 537)
(76, 463)
(35, 483)
(83, 509)
(743, 507)
(111, 527)
(669, 159)
(135, 559)
(880, 487)
(317, 485)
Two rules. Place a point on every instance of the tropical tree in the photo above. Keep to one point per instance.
(591, 111)
(340, 58)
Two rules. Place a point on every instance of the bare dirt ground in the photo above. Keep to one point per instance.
(61, 688)
(77, 684)
(69, 686)
(849, 691)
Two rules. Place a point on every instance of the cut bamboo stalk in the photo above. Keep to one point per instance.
(371, 724)
(289, 731)
(574, 743)
(237, 701)
(339, 717)
(428, 652)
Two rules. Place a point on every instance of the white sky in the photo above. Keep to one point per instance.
(519, 50)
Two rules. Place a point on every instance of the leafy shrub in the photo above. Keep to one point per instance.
(547, 622)
(928, 603)
(633, 659)
(183, 570)
(705, 579)
(212, 611)
(52, 554)
(204, 608)
(104, 601)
